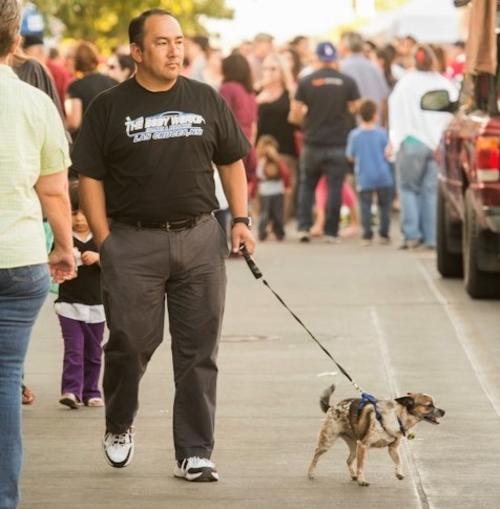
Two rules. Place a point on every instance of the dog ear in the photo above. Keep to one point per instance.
(406, 401)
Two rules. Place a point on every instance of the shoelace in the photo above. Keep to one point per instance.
(122, 438)
(197, 462)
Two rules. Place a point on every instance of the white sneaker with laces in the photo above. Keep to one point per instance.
(119, 449)
(196, 469)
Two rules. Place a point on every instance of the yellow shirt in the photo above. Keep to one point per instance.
(32, 144)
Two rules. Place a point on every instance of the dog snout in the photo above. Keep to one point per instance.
(440, 412)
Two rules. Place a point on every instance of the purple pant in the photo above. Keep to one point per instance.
(82, 357)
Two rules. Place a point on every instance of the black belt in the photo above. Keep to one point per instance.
(169, 226)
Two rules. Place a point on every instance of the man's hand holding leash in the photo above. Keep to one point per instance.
(241, 234)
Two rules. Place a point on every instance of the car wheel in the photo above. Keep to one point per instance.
(448, 264)
(479, 284)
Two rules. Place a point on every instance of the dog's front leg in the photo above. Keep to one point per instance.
(394, 454)
(361, 453)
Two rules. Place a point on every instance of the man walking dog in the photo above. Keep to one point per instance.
(144, 156)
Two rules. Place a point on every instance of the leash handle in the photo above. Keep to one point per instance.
(257, 274)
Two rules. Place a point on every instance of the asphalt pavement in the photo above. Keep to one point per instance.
(389, 319)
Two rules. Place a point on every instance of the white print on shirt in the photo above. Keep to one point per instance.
(170, 124)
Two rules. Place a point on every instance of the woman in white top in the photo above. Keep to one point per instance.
(414, 135)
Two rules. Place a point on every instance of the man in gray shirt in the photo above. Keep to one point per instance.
(369, 78)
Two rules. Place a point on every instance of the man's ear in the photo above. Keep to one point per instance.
(406, 401)
(136, 53)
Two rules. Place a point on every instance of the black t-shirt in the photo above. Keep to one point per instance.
(154, 150)
(273, 120)
(86, 287)
(33, 72)
(89, 87)
(326, 93)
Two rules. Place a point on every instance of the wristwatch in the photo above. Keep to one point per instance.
(244, 219)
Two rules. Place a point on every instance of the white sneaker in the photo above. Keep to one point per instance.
(119, 449)
(196, 469)
(70, 400)
(95, 402)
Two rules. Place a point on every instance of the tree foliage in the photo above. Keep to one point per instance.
(105, 21)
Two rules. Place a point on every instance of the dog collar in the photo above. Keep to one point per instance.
(409, 436)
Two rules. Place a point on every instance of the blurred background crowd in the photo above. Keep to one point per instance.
(258, 77)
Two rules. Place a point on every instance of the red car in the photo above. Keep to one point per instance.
(468, 229)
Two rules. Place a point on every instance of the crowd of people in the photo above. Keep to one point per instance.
(259, 80)
(299, 133)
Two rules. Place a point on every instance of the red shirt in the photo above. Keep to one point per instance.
(62, 79)
(242, 103)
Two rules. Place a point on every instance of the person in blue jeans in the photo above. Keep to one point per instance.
(415, 135)
(324, 104)
(367, 146)
(33, 176)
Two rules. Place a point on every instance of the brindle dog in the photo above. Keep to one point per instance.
(362, 430)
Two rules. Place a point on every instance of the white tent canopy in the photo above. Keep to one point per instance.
(436, 21)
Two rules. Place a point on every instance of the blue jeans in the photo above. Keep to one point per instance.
(384, 201)
(417, 175)
(315, 162)
(22, 292)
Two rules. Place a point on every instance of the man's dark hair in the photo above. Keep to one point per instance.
(367, 110)
(10, 21)
(136, 26)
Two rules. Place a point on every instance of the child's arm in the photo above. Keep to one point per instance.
(349, 151)
(388, 152)
(90, 257)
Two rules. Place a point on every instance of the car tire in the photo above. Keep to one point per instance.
(448, 264)
(479, 284)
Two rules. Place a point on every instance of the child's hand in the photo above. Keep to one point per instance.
(272, 153)
(90, 257)
(388, 152)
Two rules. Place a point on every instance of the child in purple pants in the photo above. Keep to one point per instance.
(81, 315)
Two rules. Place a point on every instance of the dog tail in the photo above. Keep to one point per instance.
(324, 401)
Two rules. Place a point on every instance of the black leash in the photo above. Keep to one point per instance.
(365, 397)
(258, 275)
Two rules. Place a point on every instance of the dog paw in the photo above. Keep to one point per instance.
(363, 484)
(400, 476)
(310, 476)
(354, 477)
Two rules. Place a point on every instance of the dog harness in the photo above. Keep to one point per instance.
(368, 399)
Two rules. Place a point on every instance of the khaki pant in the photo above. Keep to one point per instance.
(140, 267)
